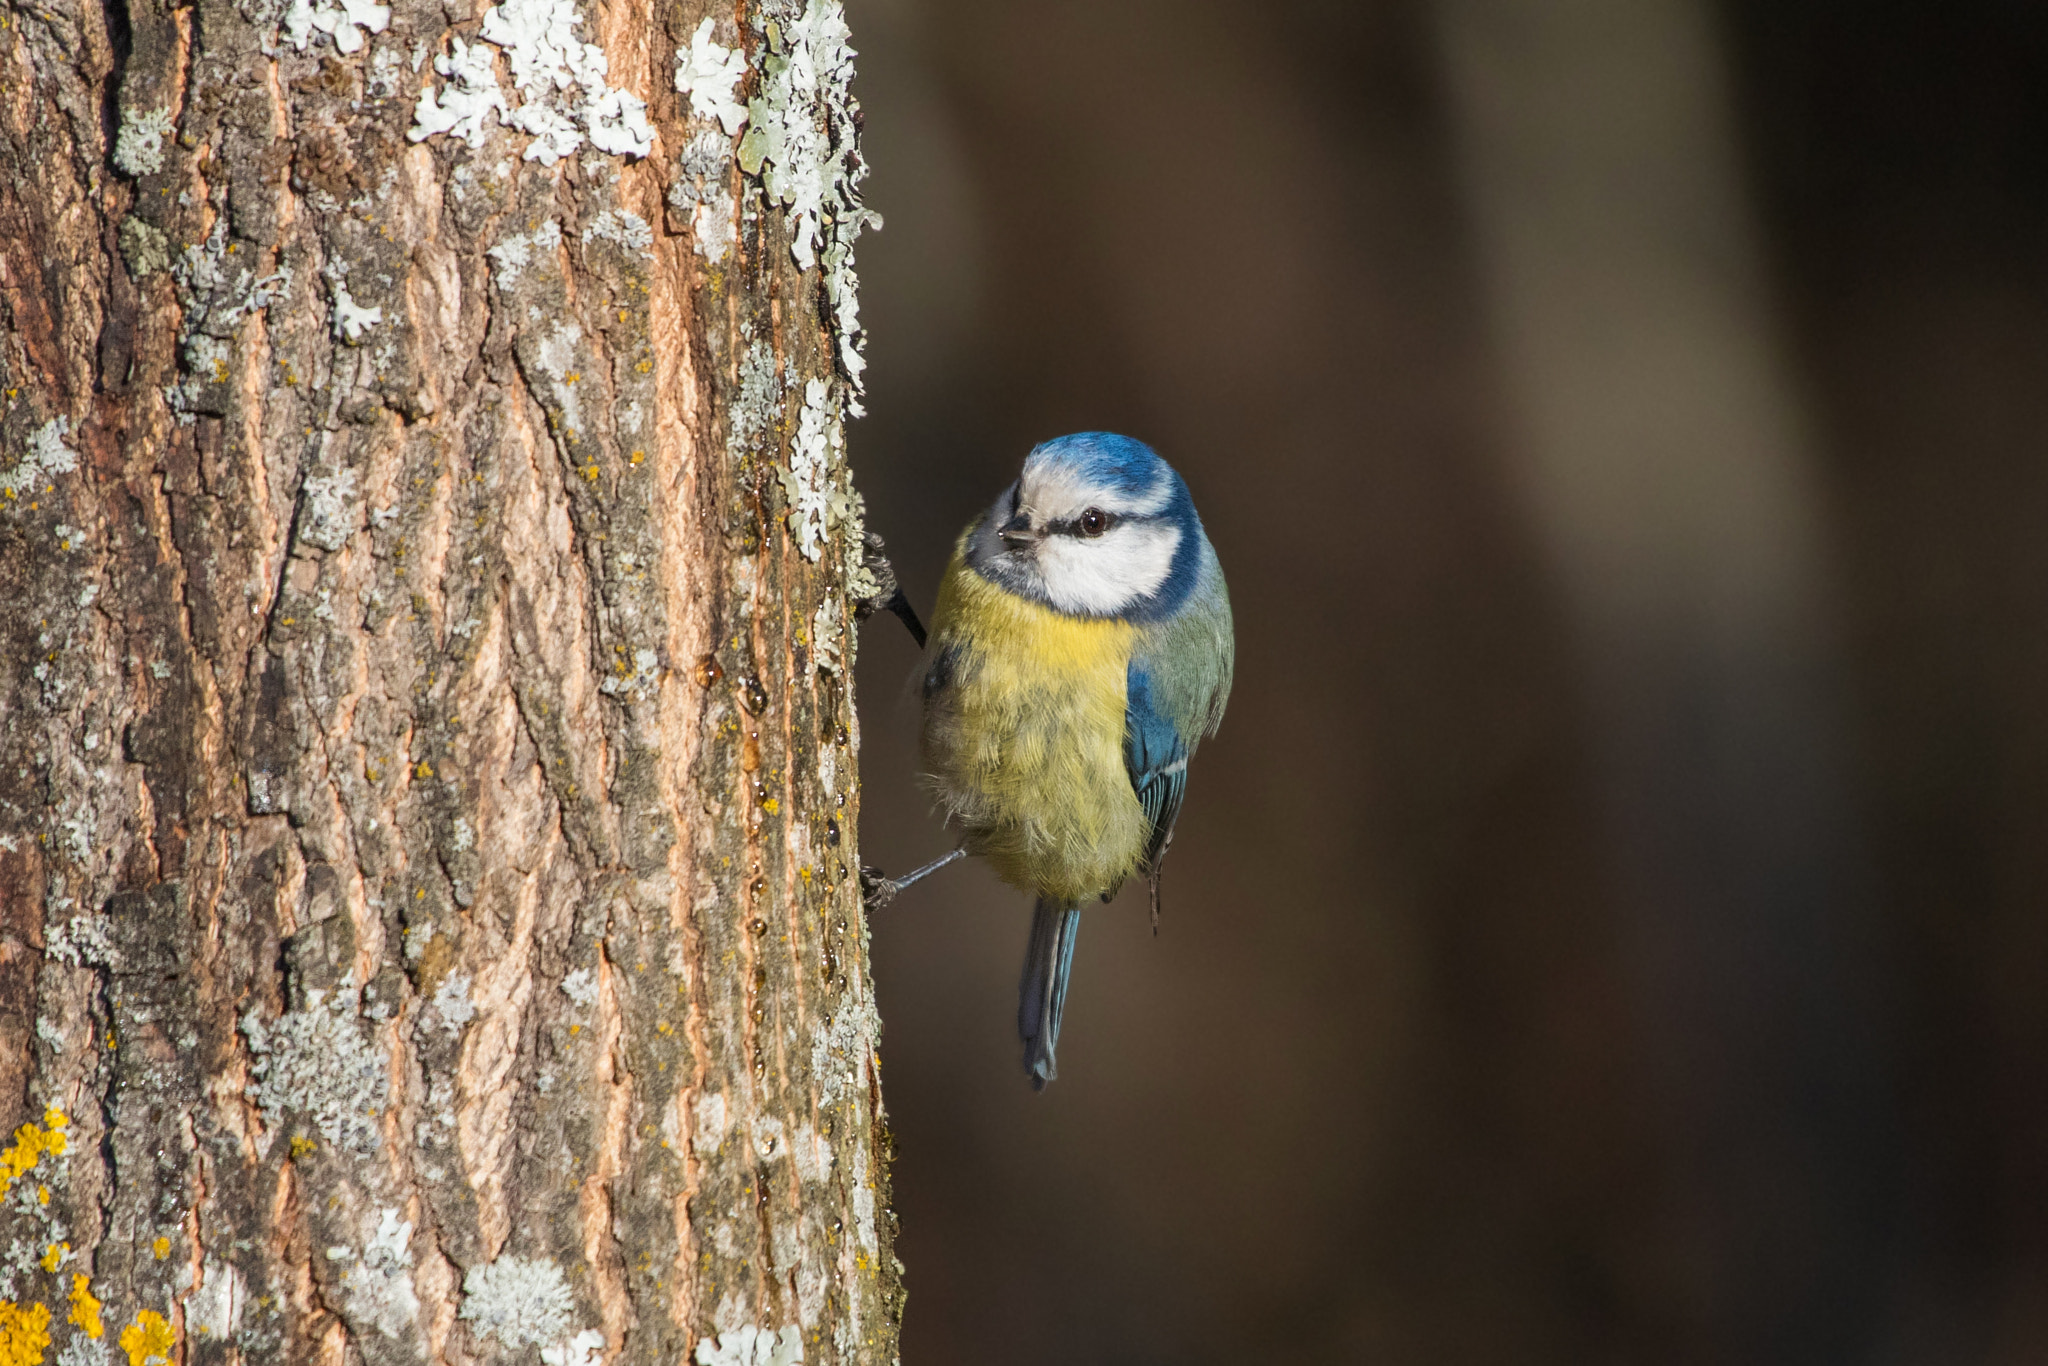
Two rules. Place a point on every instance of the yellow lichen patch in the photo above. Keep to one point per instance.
(30, 1143)
(54, 1255)
(161, 1247)
(24, 1334)
(85, 1308)
(148, 1339)
(301, 1145)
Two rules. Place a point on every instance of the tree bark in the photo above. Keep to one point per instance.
(429, 915)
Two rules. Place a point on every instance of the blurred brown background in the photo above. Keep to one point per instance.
(1610, 926)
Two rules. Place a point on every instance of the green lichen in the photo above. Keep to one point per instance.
(139, 144)
(316, 1062)
(146, 250)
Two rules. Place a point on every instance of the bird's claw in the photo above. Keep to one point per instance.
(888, 595)
(876, 891)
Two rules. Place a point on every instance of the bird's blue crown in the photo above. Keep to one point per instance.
(1115, 464)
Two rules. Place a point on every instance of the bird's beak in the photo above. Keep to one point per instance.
(1017, 532)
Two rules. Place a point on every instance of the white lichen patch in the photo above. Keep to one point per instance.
(515, 253)
(316, 1062)
(807, 482)
(417, 937)
(49, 454)
(564, 97)
(85, 940)
(635, 681)
(207, 358)
(139, 143)
(219, 284)
(710, 73)
(803, 146)
(386, 77)
(751, 1346)
(561, 360)
(351, 320)
(758, 404)
(379, 1285)
(841, 1051)
(520, 1301)
(617, 121)
(622, 228)
(218, 287)
(333, 510)
(468, 105)
(712, 228)
(345, 21)
(452, 1002)
(81, 1350)
(793, 145)
(826, 627)
(702, 191)
(817, 488)
(580, 986)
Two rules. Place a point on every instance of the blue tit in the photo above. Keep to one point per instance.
(1081, 649)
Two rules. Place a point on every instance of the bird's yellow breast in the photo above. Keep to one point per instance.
(1024, 742)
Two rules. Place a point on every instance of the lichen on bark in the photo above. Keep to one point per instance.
(427, 756)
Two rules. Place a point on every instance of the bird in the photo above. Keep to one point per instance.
(1081, 648)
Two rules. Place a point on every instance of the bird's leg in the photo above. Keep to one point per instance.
(879, 891)
(888, 594)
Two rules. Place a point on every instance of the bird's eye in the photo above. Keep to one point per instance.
(1095, 521)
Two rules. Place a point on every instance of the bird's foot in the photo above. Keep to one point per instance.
(888, 594)
(878, 891)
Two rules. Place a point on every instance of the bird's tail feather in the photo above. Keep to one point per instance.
(1042, 994)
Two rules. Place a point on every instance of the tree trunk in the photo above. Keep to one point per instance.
(429, 921)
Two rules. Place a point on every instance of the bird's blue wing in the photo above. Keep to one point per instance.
(1157, 759)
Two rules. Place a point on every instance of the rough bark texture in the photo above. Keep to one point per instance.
(428, 916)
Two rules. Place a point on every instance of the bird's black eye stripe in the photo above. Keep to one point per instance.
(1089, 524)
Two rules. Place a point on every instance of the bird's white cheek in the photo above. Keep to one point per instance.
(1103, 577)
